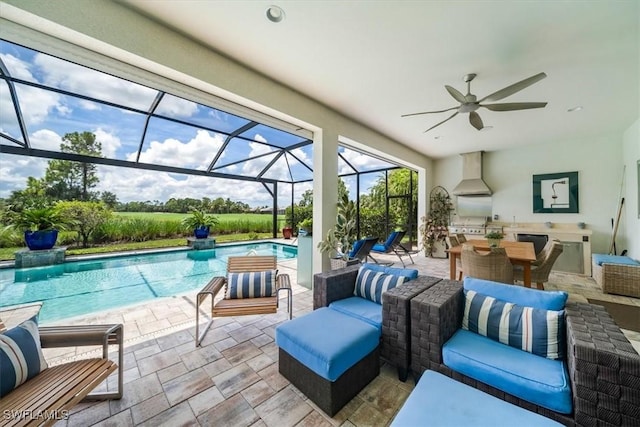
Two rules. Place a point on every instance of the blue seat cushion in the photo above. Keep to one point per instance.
(438, 400)
(327, 341)
(409, 273)
(533, 378)
(600, 259)
(361, 309)
(545, 300)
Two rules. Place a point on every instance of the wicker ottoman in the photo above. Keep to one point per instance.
(328, 356)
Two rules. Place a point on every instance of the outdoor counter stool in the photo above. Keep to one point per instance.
(438, 400)
(329, 356)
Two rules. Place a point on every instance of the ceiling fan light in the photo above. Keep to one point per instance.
(275, 14)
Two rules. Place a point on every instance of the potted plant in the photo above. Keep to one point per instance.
(339, 240)
(200, 222)
(434, 226)
(494, 238)
(40, 226)
(305, 227)
(287, 231)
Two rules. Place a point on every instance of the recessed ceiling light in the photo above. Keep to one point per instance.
(576, 108)
(275, 14)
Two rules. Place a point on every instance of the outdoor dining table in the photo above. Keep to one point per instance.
(521, 253)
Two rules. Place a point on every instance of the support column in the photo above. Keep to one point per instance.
(325, 193)
(423, 192)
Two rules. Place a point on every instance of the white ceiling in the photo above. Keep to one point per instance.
(374, 60)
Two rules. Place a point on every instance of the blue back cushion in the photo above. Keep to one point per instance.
(372, 284)
(356, 247)
(409, 273)
(391, 238)
(546, 300)
(20, 355)
(530, 329)
(256, 284)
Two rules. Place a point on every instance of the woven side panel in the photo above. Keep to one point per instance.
(603, 366)
(621, 279)
(396, 320)
(333, 285)
(435, 315)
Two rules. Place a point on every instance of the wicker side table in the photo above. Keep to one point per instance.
(396, 322)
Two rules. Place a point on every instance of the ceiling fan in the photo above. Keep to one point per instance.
(469, 103)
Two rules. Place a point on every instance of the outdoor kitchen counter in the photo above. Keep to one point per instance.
(561, 232)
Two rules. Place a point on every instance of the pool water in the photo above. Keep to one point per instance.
(82, 287)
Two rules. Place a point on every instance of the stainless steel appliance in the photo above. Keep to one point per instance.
(472, 228)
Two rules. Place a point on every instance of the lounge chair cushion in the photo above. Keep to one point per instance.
(409, 273)
(361, 309)
(20, 355)
(372, 284)
(256, 284)
(356, 247)
(546, 300)
(533, 378)
(530, 329)
(327, 341)
(386, 246)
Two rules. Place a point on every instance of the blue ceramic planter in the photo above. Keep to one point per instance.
(201, 232)
(41, 239)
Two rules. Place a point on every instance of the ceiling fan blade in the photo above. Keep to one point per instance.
(516, 87)
(448, 118)
(456, 94)
(475, 120)
(429, 112)
(511, 106)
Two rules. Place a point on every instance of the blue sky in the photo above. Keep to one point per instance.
(49, 116)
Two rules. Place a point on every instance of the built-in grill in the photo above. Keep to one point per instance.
(473, 228)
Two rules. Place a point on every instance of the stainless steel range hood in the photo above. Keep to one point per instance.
(472, 183)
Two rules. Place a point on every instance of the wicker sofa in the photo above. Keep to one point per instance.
(616, 274)
(395, 340)
(602, 366)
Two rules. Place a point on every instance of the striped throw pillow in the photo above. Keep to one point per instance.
(256, 284)
(530, 329)
(372, 284)
(20, 355)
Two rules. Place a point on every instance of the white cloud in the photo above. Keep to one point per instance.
(359, 161)
(197, 152)
(173, 106)
(45, 139)
(82, 80)
(14, 171)
(110, 142)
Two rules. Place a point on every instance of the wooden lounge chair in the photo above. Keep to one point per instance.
(56, 389)
(242, 306)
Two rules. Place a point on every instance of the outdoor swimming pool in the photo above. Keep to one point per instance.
(82, 287)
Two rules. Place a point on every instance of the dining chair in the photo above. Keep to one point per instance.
(541, 268)
(490, 265)
(461, 238)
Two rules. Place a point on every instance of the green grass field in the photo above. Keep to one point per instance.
(178, 216)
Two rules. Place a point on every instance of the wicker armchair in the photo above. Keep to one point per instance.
(490, 265)
(395, 340)
(603, 367)
(542, 266)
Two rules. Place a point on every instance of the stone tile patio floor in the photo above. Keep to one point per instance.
(233, 379)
